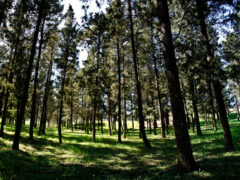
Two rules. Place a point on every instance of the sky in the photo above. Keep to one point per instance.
(79, 12)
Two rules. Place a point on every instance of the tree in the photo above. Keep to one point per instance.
(51, 52)
(186, 162)
(68, 47)
(138, 84)
(51, 13)
(216, 82)
(24, 98)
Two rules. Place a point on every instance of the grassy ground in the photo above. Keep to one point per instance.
(79, 158)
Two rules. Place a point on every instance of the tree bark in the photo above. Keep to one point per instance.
(157, 85)
(71, 112)
(20, 116)
(201, 6)
(185, 108)
(138, 84)
(1, 99)
(214, 123)
(132, 113)
(237, 108)
(194, 104)
(124, 107)
(35, 86)
(109, 115)
(96, 96)
(155, 119)
(45, 97)
(186, 162)
(5, 108)
(62, 96)
(119, 92)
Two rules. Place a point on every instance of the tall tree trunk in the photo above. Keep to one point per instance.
(205, 115)
(186, 162)
(124, 107)
(1, 99)
(35, 86)
(20, 116)
(5, 108)
(186, 109)
(45, 97)
(101, 123)
(155, 119)
(88, 117)
(132, 113)
(96, 96)
(167, 120)
(157, 85)
(119, 92)
(4, 116)
(71, 113)
(214, 124)
(9, 80)
(194, 104)
(138, 84)
(62, 96)
(109, 114)
(36, 119)
(201, 6)
(237, 108)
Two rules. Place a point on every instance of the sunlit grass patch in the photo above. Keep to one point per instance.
(78, 157)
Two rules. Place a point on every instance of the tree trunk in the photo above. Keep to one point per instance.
(155, 119)
(71, 113)
(125, 112)
(205, 115)
(167, 121)
(62, 96)
(216, 83)
(214, 124)
(193, 122)
(237, 108)
(109, 115)
(96, 96)
(88, 117)
(194, 104)
(5, 108)
(186, 162)
(138, 84)
(4, 116)
(45, 97)
(101, 124)
(20, 116)
(132, 113)
(119, 92)
(35, 86)
(9, 79)
(1, 99)
(157, 85)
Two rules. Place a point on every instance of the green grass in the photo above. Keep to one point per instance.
(79, 158)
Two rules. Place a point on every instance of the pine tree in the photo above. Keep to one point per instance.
(24, 98)
(216, 83)
(68, 48)
(186, 162)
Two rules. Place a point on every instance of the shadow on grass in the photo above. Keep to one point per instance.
(22, 165)
(107, 159)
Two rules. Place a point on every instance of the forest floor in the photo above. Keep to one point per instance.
(79, 158)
